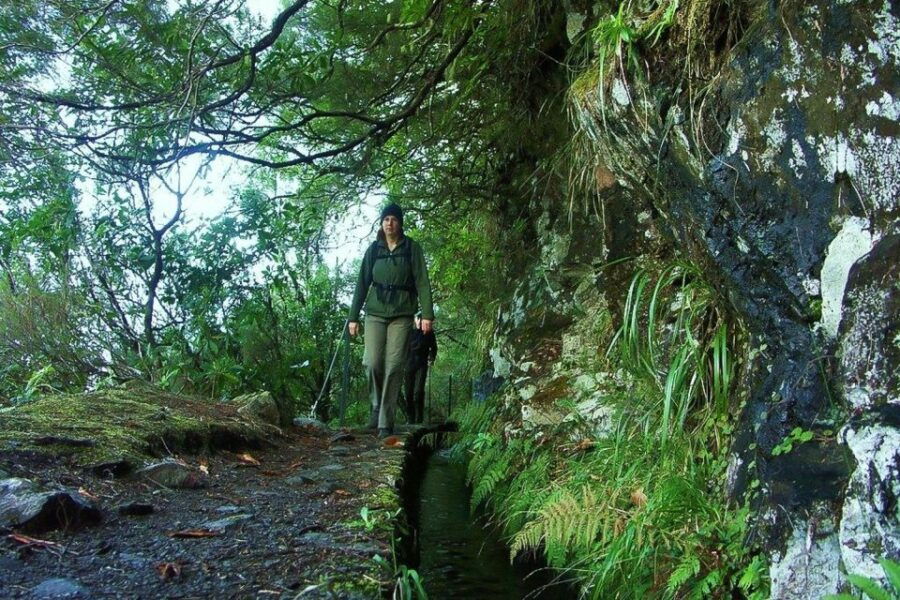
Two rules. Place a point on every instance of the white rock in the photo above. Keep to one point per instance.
(808, 568)
(852, 242)
(870, 528)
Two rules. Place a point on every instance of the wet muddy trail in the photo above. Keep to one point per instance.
(278, 522)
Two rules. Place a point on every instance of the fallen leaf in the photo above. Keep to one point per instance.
(192, 533)
(246, 458)
(343, 492)
(393, 442)
(30, 541)
(638, 497)
(87, 494)
(583, 445)
(204, 467)
(168, 570)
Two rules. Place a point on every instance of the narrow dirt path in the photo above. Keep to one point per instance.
(276, 523)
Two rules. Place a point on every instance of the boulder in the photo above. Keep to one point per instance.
(258, 405)
(23, 506)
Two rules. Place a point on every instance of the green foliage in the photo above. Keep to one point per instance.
(409, 585)
(641, 510)
(872, 589)
(564, 524)
(797, 436)
(673, 335)
(370, 519)
(36, 383)
(614, 39)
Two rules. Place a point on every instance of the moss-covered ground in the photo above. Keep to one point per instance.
(133, 422)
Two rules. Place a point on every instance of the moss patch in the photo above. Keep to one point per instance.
(133, 422)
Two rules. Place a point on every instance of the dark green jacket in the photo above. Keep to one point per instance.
(395, 283)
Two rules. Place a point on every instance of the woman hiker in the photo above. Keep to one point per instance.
(394, 266)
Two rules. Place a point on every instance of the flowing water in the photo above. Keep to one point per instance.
(462, 557)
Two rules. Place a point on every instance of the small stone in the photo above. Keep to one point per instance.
(333, 467)
(173, 474)
(9, 565)
(315, 538)
(329, 487)
(135, 561)
(227, 522)
(57, 589)
(111, 469)
(228, 509)
(303, 478)
(313, 424)
(136, 509)
(363, 548)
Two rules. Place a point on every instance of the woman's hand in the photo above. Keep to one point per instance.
(426, 326)
(353, 327)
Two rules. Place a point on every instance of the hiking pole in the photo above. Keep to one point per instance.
(312, 411)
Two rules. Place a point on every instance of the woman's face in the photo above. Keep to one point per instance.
(391, 226)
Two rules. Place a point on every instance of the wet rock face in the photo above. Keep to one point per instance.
(787, 195)
(869, 348)
(795, 218)
(805, 184)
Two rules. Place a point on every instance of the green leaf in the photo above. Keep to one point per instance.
(869, 587)
(892, 571)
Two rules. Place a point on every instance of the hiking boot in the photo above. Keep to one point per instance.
(373, 420)
(384, 432)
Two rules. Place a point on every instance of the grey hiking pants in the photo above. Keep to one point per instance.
(386, 346)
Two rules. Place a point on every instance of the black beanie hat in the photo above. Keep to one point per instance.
(392, 210)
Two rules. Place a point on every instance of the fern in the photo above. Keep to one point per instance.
(686, 570)
(566, 522)
(529, 488)
(488, 481)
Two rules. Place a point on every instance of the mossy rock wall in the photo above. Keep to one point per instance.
(777, 170)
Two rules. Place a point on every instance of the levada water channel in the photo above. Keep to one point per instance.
(459, 555)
